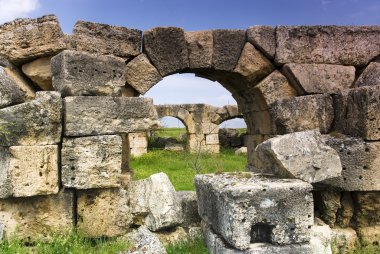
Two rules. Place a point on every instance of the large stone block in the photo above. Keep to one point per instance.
(25, 39)
(80, 73)
(320, 238)
(370, 76)
(90, 115)
(189, 204)
(39, 71)
(10, 93)
(141, 74)
(301, 155)
(200, 48)
(105, 39)
(38, 122)
(103, 213)
(302, 113)
(345, 45)
(166, 48)
(319, 78)
(228, 46)
(367, 208)
(92, 162)
(263, 38)
(35, 218)
(245, 208)
(20, 80)
(360, 163)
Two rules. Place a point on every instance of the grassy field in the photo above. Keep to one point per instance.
(170, 132)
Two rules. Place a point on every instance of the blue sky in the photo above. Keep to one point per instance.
(196, 15)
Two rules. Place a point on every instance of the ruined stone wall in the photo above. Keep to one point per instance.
(68, 102)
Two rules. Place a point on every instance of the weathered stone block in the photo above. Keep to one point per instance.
(344, 240)
(370, 76)
(19, 79)
(319, 78)
(80, 73)
(320, 241)
(25, 39)
(138, 139)
(166, 48)
(144, 241)
(38, 122)
(103, 213)
(141, 74)
(189, 204)
(369, 235)
(90, 115)
(303, 113)
(39, 71)
(263, 38)
(200, 48)
(245, 208)
(106, 39)
(92, 162)
(367, 208)
(301, 155)
(328, 203)
(345, 45)
(138, 151)
(228, 45)
(212, 139)
(35, 218)
(10, 93)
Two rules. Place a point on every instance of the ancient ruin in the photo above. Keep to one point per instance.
(70, 106)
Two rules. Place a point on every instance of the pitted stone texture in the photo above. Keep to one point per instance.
(80, 73)
(10, 93)
(319, 78)
(38, 122)
(301, 155)
(344, 240)
(369, 235)
(328, 204)
(345, 45)
(252, 65)
(28, 171)
(92, 162)
(367, 208)
(90, 115)
(228, 46)
(200, 48)
(263, 38)
(36, 218)
(103, 212)
(154, 203)
(19, 79)
(39, 71)
(360, 163)
(144, 242)
(141, 74)
(106, 39)
(302, 113)
(370, 76)
(189, 204)
(166, 48)
(216, 245)
(245, 208)
(23, 40)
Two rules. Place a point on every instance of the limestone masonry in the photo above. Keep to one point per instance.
(71, 116)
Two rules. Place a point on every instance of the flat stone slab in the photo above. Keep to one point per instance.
(245, 208)
(100, 115)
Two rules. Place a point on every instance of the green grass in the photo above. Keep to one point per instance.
(193, 246)
(179, 165)
(170, 132)
(366, 250)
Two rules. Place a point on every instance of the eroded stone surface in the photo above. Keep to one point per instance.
(370, 76)
(263, 38)
(189, 204)
(39, 71)
(367, 206)
(344, 240)
(144, 242)
(320, 241)
(10, 93)
(200, 47)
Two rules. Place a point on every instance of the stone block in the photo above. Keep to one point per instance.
(242, 150)
(19, 79)
(36, 218)
(83, 74)
(189, 204)
(103, 212)
(301, 155)
(166, 48)
(10, 93)
(138, 139)
(344, 45)
(344, 240)
(367, 208)
(144, 241)
(370, 76)
(38, 122)
(105, 39)
(328, 203)
(302, 113)
(200, 48)
(263, 38)
(228, 46)
(23, 40)
(209, 128)
(141, 74)
(138, 151)
(320, 240)
(90, 115)
(319, 78)
(39, 71)
(360, 164)
(369, 235)
(245, 208)
(92, 162)
(212, 139)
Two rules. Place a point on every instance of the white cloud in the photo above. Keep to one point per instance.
(11, 9)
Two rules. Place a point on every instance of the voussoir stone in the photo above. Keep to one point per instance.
(83, 74)
(39, 71)
(200, 47)
(10, 93)
(141, 74)
(301, 155)
(106, 39)
(23, 40)
(263, 38)
(345, 45)
(38, 122)
(370, 76)
(98, 115)
(228, 45)
(319, 78)
(166, 48)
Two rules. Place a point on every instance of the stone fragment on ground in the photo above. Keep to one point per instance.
(241, 150)
(144, 242)
(174, 147)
